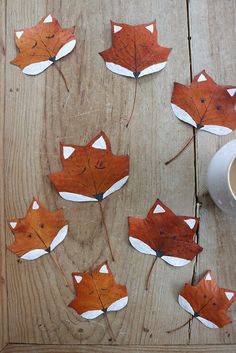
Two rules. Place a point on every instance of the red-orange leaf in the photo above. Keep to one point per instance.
(206, 105)
(207, 302)
(38, 233)
(97, 293)
(165, 235)
(42, 45)
(135, 51)
(91, 172)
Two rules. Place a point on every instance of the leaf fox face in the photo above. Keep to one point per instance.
(42, 45)
(91, 172)
(135, 51)
(205, 105)
(38, 233)
(165, 235)
(97, 293)
(207, 302)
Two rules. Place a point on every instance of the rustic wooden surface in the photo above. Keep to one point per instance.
(39, 113)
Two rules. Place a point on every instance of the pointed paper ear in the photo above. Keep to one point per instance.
(191, 222)
(231, 91)
(159, 208)
(151, 27)
(67, 151)
(19, 34)
(208, 276)
(12, 223)
(77, 278)
(35, 205)
(101, 142)
(116, 27)
(104, 269)
(48, 19)
(230, 295)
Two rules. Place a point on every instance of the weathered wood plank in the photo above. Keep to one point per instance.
(213, 48)
(23, 348)
(3, 293)
(40, 114)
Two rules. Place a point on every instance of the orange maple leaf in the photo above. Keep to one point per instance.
(165, 235)
(205, 105)
(207, 302)
(97, 293)
(135, 51)
(38, 233)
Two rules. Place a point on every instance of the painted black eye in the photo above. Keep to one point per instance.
(41, 225)
(214, 304)
(218, 107)
(174, 237)
(205, 296)
(29, 235)
(202, 100)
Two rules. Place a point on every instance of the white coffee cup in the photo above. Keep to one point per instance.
(221, 178)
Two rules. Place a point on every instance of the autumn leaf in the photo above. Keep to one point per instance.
(165, 235)
(205, 105)
(207, 302)
(43, 45)
(98, 293)
(135, 52)
(91, 172)
(38, 233)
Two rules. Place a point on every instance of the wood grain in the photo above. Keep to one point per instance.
(40, 114)
(23, 348)
(214, 49)
(3, 292)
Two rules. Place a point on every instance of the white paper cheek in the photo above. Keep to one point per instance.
(66, 49)
(34, 254)
(141, 246)
(92, 314)
(118, 185)
(153, 68)
(183, 115)
(118, 305)
(37, 68)
(59, 237)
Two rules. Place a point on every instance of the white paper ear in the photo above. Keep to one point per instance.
(190, 222)
(150, 28)
(229, 295)
(231, 91)
(19, 34)
(35, 205)
(48, 19)
(117, 28)
(104, 269)
(13, 224)
(159, 209)
(78, 279)
(201, 78)
(208, 277)
(67, 151)
(100, 143)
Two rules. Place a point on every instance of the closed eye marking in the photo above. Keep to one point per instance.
(49, 37)
(100, 165)
(35, 44)
(82, 171)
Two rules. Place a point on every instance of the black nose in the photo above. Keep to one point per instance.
(196, 314)
(136, 74)
(199, 126)
(99, 197)
(48, 249)
(53, 59)
(159, 253)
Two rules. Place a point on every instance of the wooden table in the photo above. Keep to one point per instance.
(38, 113)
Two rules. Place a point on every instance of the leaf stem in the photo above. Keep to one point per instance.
(106, 230)
(54, 258)
(62, 75)
(109, 326)
(178, 328)
(149, 273)
(135, 95)
(182, 149)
